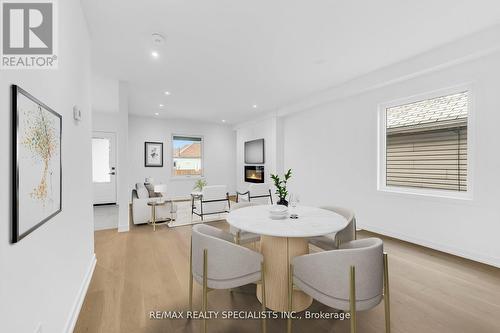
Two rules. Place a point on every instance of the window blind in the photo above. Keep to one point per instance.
(434, 159)
(186, 138)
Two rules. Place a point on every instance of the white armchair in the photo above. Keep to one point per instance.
(213, 199)
(141, 212)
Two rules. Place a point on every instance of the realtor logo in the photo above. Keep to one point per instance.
(28, 34)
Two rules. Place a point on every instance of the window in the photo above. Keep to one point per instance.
(187, 156)
(425, 144)
(100, 160)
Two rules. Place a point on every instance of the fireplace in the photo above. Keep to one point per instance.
(254, 173)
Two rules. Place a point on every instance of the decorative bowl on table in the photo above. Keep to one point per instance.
(278, 212)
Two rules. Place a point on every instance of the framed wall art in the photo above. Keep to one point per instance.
(37, 163)
(153, 154)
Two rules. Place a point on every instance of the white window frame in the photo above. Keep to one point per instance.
(382, 136)
(178, 177)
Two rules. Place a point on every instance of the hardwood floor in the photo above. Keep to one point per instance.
(142, 271)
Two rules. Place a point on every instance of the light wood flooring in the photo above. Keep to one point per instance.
(141, 271)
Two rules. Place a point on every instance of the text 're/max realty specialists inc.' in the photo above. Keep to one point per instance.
(230, 314)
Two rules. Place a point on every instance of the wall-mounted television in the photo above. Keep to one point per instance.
(254, 152)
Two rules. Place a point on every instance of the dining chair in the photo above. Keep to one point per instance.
(216, 262)
(214, 199)
(333, 241)
(260, 193)
(352, 278)
(241, 236)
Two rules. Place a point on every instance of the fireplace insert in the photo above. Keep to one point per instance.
(254, 173)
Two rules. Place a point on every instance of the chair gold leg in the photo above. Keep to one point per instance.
(290, 298)
(205, 289)
(354, 227)
(387, 303)
(237, 237)
(191, 275)
(263, 290)
(352, 299)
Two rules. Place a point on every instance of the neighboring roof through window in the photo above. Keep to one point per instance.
(435, 113)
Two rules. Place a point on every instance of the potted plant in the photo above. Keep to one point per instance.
(280, 184)
(200, 184)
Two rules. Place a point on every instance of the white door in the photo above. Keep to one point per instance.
(104, 167)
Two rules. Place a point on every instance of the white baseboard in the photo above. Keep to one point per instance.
(123, 228)
(77, 306)
(108, 227)
(493, 261)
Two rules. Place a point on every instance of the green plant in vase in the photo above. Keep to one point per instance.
(200, 184)
(280, 185)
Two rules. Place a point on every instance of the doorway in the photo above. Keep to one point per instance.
(104, 168)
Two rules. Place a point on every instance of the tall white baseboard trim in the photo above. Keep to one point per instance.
(439, 247)
(123, 228)
(77, 306)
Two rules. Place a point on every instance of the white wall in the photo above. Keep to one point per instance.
(117, 122)
(42, 276)
(218, 144)
(105, 93)
(268, 129)
(332, 149)
(105, 122)
(123, 161)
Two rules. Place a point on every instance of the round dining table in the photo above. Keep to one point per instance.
(281, 240)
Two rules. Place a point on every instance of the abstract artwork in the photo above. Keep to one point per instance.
(37, 163)
(153, 154)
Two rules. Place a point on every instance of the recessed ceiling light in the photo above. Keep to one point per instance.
(223, 120)
(157, 114)
(155, 54)
(161, 105)
(254, 106)
(167, 93)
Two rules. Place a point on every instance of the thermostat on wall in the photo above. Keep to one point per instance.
(77, 113)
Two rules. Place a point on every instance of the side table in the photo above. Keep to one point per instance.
(154, 221)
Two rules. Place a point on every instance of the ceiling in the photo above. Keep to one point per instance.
(221, 57)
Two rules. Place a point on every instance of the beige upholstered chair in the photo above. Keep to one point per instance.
(259, 193)
(352, 278)
(332, 241)
(240, 236)
(217, 263)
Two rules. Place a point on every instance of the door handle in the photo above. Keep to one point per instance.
(112, 173)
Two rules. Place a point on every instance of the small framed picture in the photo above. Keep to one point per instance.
(153, 154)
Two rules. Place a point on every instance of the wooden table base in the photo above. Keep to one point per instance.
(277, 252)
